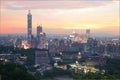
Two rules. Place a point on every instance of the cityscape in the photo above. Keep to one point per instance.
(77, 47)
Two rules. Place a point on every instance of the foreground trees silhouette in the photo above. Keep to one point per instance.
(12, 71)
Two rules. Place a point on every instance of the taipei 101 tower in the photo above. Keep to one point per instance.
(29, 27)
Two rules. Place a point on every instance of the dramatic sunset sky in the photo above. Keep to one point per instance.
(60, 17)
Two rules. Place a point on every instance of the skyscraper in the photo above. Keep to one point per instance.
(39, 29)
(29, 27)
(41, 38)
(88, 33)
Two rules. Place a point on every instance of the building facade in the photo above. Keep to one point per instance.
(88, 33)
(42, 57)
(29, 27)
(39, 30)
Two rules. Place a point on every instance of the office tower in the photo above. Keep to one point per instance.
(42, 57)
(43, 43)
(88, 33)
(29, 27)
(39, 30)
(119, 34)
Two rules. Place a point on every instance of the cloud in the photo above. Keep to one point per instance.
(53, 4)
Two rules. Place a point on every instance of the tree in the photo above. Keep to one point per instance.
(12, 71)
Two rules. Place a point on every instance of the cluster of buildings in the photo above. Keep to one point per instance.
(78, 68)
(76, 47)
(16, 58)
(40, 41)
(80, 38)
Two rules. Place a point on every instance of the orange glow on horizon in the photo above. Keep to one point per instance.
(104, 18)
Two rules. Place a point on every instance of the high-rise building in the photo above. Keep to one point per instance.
(43, 42)
(39, 30)
(42, 57)
(88, 33)
(41, 39)
(29, 27)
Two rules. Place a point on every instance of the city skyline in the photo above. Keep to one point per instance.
(60, 17)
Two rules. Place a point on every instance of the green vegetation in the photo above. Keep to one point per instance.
(112, 68)
(56, 72)
(89, 75)
(12, 71)
(113, 65)
(112, 72)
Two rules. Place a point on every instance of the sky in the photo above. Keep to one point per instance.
(60, 16)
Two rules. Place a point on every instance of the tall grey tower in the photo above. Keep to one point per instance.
(39, 30)
(29, 27)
